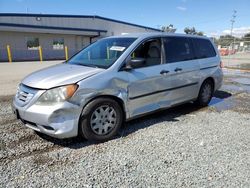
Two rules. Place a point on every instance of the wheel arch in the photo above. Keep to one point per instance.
(120, 102)
(209, 79)
(115, 98)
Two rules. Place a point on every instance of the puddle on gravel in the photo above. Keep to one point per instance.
(234, 88)
(237, 88)
(244, 66)
(228, 97)
(235, 72)
(223, 99)
(243, 80)
(222, 104)
(246, 88)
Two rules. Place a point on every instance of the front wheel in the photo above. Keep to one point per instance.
(205, 94)
(101, 119)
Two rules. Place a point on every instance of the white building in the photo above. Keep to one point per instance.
(24, 33)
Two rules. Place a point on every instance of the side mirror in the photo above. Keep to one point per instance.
(134, 63)
(137, 61)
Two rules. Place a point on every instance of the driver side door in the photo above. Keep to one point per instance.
(148, 86)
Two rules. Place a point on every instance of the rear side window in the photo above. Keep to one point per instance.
(204, 48)
(178, 49)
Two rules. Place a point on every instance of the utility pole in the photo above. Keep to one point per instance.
(232, 21)
(232, 27)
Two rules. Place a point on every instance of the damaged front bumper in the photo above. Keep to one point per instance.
(59, 120)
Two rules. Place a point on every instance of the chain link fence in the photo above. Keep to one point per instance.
(235, 52)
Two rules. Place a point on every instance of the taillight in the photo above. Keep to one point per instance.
(221, 64)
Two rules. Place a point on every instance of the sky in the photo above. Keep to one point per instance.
(209, 16)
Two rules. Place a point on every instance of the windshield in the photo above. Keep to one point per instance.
(103, 53)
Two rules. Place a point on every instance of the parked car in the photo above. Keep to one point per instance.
(226, 51)
(117, 79)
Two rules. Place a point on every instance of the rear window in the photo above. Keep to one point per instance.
(178, 49)
(204, 48)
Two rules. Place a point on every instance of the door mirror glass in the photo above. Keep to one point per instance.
(137, 62)
(134, 63)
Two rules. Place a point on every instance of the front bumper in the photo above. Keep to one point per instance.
(59, 121)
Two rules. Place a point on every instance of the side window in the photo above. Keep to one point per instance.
(178, 49)
(204, 48)
(150, 51)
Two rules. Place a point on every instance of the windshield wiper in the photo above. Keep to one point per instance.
(89, 65)
(86, 65)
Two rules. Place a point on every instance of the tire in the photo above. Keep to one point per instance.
(205, 93)
(101, 120)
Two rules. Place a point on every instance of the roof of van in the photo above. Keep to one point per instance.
(157, 34)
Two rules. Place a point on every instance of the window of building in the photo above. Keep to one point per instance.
(58, 44)
(178, 49)
(32, 43)
(204, 48)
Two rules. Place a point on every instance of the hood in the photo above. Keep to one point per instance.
(58, 75)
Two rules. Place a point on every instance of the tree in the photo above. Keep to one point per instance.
(169, 29)
(192, 31)
(227, 40)
(246, 37)
(200, 33)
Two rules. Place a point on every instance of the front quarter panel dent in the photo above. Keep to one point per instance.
(115, 87)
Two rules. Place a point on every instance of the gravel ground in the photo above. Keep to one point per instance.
(180, 147)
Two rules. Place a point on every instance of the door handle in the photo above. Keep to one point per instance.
(178, 69)
(164, 72)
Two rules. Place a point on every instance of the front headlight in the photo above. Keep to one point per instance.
(58, 94)
(17, 90)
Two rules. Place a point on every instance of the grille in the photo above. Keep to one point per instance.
(24, 95)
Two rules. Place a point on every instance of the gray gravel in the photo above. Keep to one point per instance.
(180, 147)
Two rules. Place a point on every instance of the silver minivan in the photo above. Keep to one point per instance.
(117, 79)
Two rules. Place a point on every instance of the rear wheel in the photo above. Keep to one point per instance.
(205, 94)
(101, 119)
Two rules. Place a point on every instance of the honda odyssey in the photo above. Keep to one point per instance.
(117, 79)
